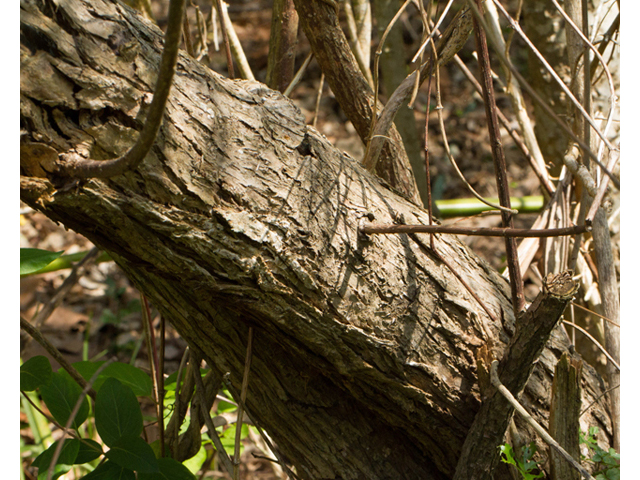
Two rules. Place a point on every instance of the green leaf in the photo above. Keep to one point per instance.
(128, 375)
(613, 474)
(61, 395)
(34, 259)
(507, 454)
(194, 464)
(89, 450)
(118, 413)
(131, 376)
(613, 458)
(66, 459)
(170, 469)
(135, 454)
(228, 438)
(35, 372)
(110, 471)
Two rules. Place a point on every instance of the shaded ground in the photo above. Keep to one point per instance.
(100, 317)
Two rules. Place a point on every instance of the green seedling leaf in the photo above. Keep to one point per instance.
(507, 454)
(110, 471)
(88, 451)
(170, 469)
(34, 259)
(64, 463)
(61, 395)
(118, 413)
(34, 373)
(134, 453)
(128, 375)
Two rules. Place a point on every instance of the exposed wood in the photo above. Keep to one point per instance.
(243, 216)
(564, 419)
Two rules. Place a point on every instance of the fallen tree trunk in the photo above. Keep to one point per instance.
(242, 216)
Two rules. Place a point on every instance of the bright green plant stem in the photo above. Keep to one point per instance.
(67, 261)
(464, 207)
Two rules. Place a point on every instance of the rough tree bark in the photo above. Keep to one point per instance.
(241, 215)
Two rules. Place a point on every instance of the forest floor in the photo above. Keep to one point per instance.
(101, 315)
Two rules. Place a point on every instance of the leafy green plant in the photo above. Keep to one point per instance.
(115, 415)
(607, 462)
(118, 421)
(524, 463)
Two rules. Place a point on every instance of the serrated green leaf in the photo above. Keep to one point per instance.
(170, 469)
(34, 259)
(61, 395)
(118, 413)
(35, 372)
(64, 463)
(110, 471)
(89, 450)
(133, 453)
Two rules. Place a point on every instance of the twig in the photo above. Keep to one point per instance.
(176, 410)
(68, 283)
(555, 76)
(237, 397)
(236, 46)
(447, 150)
(596, 314)
(213, 435)
(376, 80)
(161, 386)
(298, 75)
(433, 32)
(598, 399)
(225, 37)
(318, 98)
(154, 362)
(495, 381)
(243, 397)
(517, 101)
(597, 54)
(545, 106)
(595, 342)
(480, 232)
(53, 351)
(187, 36)
(76, 166)
(499, 161)
(357, 47)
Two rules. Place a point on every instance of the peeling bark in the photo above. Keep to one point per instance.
(242, 215)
